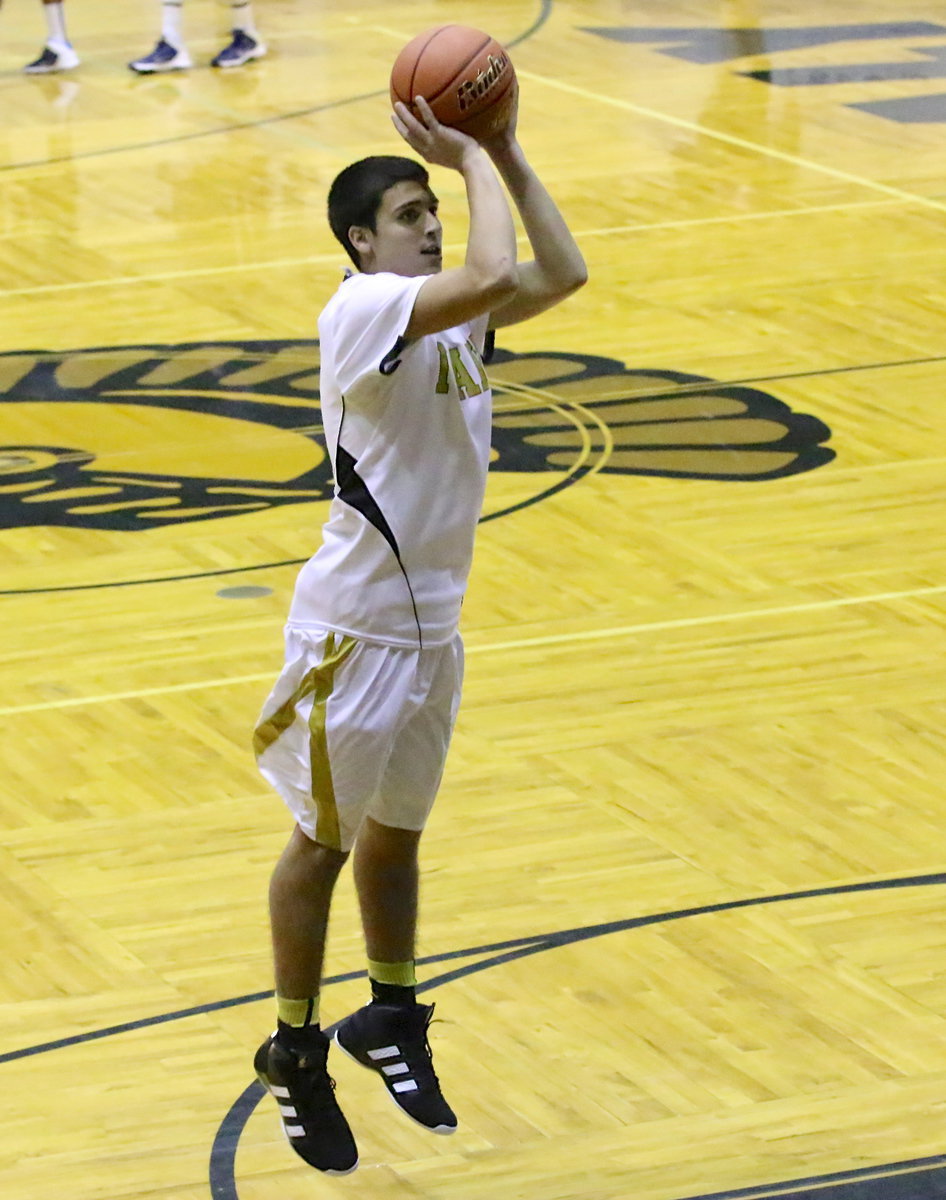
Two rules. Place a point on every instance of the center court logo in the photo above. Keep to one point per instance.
(131, 439)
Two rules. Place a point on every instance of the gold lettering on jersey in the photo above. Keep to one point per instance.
(478, 363)
(453, 366)
(466, 384)
(471, 90)
(443, 379)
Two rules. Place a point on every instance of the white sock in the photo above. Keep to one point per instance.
(242, 16)
(171, 23)
(56, 22)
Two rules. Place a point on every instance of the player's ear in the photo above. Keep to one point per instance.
(358, 235)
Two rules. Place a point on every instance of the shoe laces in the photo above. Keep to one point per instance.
(317, 1086)
(421, 1064)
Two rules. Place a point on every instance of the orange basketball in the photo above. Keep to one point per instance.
(465, 76)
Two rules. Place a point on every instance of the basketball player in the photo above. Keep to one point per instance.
(58, 54)
(170, 53)
(355, 732)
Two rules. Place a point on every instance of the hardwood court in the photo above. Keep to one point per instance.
(682, 893)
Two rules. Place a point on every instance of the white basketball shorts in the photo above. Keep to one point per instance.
(354, 728)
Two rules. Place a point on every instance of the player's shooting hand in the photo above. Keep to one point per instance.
(435, 143)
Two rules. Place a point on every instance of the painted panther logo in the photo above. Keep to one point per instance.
(137, 438)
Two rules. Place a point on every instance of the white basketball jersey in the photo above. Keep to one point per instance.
(408, 429)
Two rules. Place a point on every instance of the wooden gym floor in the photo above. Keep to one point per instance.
(683, 888)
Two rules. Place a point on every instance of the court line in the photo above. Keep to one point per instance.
(556, 639)
(222, 1173)
(545, 10)
(494, 954)
(222, 1167)
(731, 218)
(731, 139)
(338, 258)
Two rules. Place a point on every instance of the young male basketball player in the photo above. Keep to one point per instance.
(355, 733)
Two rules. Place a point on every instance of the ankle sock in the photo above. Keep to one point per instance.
(298, 1012)
(171, 23)
(393, 983)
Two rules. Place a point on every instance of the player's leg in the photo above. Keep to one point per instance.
(57, 54)
(293, 1064)
(389, 1035)
(300, 895)
(169, 53)
(386, 877)
(245, 42)
(323, 739)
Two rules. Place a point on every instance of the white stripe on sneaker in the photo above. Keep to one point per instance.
(385, 1052)
(294, 1131)
(407, 1086)
(281, 1092)
(397, 1069)
(287, 1110)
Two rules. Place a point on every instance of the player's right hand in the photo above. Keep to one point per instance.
(435, 143)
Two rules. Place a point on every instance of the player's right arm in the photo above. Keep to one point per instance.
(488, 278)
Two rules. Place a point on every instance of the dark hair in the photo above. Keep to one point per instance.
(355, 196)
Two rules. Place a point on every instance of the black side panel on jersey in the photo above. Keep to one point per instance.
(354, 491)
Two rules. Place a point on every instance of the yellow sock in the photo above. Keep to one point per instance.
(399, 974)
(297, 1012)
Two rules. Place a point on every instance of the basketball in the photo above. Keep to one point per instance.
(465, 76)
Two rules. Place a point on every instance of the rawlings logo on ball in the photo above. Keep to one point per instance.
(472, 90)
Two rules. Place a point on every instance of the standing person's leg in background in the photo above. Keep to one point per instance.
(245, 43)
(58, 54)
(170, 53)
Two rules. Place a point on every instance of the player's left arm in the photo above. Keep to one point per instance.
(557, 268)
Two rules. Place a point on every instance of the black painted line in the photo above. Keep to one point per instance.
(791, 1187)
(223, 1151)
(224, 1148)
(517, 947)
(545, 11)
(190, 137)
(123, 583)
(689, 389)
(823, 372)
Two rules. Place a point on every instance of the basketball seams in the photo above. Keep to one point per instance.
(435, 33)
(459, 71)
(456, 68)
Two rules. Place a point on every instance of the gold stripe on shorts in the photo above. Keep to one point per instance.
(320, 682)
(323, 789)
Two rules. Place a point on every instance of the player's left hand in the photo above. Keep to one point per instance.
(505, 140)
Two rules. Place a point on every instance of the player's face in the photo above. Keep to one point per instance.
(407, 238)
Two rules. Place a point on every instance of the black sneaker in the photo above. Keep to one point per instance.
(164, 57)
(56, 56)
(240, 50)
(311, 1119)
(393, 1041)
